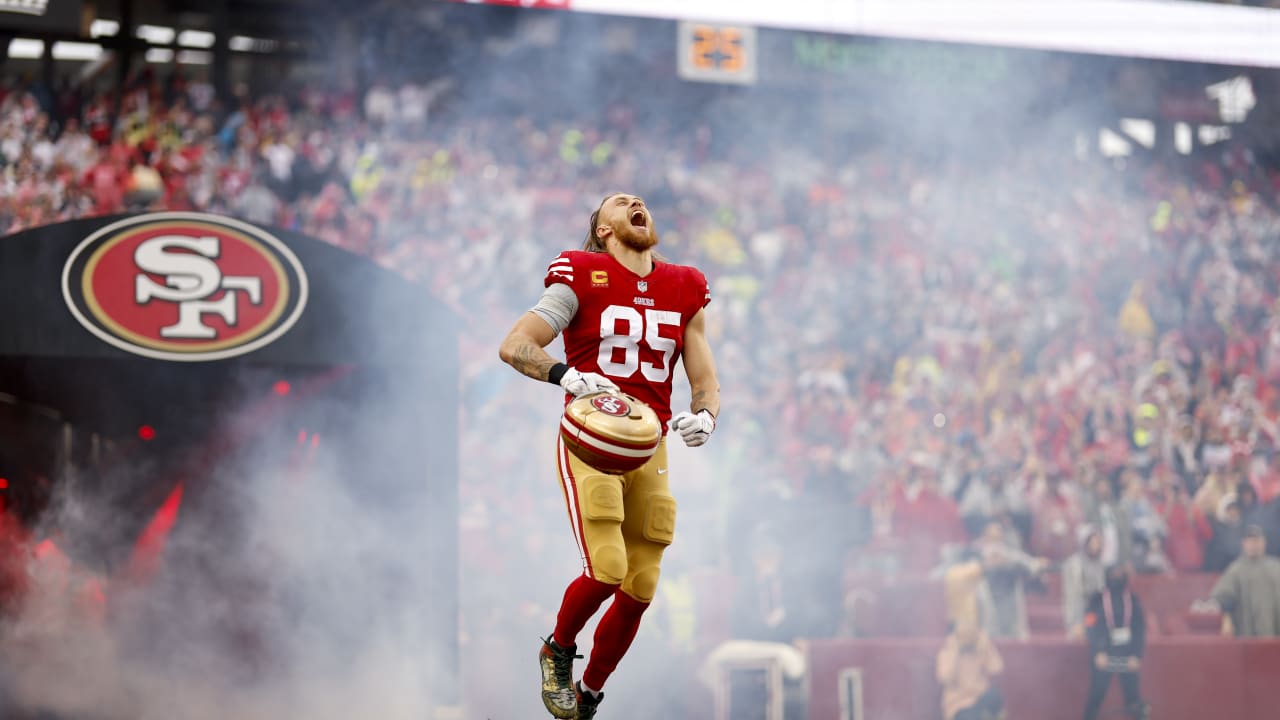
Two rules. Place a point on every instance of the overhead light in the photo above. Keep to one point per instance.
(196, 38)
(1112, 145)
(159, 55)
(1210, 134)
(26, 48)
(195, 57)
(103, 28)
(156, 34)
(63, 50)
(1182, 139)
(242, 43)
(1140, 130)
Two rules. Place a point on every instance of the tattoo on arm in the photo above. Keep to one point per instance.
(532, 360)
(705, 400)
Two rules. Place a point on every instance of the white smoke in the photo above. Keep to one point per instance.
(277, 596)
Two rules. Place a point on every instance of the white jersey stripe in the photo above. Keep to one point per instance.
(571, 496)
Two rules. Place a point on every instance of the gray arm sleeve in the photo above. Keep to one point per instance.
(557, 306)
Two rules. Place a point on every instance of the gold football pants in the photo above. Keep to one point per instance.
(622, 523)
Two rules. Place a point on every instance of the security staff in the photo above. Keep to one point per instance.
(1117, 633)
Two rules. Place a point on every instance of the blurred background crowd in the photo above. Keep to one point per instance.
(1057, 359)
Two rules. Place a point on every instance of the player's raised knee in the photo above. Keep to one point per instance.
(644, 586)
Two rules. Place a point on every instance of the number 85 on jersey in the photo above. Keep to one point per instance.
(623, 329)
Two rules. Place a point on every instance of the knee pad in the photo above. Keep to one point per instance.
(646, 567)
(609, 564)
(643, 586)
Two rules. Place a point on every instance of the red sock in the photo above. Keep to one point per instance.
(614, 635)
(582, 599)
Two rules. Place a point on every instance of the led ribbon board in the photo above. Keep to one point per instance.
(1189, 31)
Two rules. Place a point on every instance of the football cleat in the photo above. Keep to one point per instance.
(588, 703)
(558, 693)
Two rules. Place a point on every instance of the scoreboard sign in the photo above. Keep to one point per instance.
(712, 52)
(51, 15)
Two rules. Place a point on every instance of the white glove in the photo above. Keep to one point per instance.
(694, 429)
(578, 384)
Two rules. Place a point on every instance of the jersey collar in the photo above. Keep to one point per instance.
(632, 273)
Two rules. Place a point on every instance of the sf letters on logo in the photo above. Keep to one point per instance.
(190, 279)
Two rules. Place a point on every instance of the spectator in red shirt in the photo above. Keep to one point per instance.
(1055, 516)
(925, 519)
(108, 178)
(1188, 530)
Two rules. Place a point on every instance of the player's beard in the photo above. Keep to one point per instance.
(634, 238)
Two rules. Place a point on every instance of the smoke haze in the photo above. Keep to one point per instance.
(285, 597)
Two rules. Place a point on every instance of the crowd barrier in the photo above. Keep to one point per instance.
(1183, 678)
(915, 607)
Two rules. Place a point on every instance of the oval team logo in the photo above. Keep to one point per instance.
(184, 286)
(611, 405)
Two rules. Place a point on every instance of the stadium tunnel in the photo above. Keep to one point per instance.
(305, 349)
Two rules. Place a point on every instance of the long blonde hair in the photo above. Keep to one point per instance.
(593, 242)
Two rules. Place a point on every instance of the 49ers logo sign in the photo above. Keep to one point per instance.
(184, 286)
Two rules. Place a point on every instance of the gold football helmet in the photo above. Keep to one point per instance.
(613, 433)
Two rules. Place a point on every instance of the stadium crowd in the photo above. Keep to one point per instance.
(916, 353)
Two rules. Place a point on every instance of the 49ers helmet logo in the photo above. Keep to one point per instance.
(611, 405)
(184, 286)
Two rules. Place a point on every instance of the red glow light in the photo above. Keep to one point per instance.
(149, 547)
(281, 388)
(4, 483)
(147, 433)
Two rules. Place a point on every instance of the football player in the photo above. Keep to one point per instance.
(627, 316)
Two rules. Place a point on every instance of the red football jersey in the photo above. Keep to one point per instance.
(629, 328)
